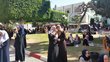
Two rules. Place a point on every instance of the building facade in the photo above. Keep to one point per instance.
(76, 9)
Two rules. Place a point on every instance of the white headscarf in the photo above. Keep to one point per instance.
(52, 30)
(4, 37)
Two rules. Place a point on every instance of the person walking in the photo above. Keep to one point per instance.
(4, 45)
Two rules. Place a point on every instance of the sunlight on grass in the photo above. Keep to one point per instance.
(35, 38)
(73, 58)
(39, 43)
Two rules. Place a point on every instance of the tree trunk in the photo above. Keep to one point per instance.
(81, 19)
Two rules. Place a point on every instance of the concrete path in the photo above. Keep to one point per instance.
(28, 59)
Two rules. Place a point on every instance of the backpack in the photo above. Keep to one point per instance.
(108, 41)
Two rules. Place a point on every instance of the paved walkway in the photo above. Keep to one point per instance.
(28, 59)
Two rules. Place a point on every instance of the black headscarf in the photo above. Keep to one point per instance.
(84, 55)
(101, 58)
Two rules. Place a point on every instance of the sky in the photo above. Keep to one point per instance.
(60, 3)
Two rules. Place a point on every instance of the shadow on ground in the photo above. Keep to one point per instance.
(73, 52)
(41, 47)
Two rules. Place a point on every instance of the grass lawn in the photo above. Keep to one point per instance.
(39, 43)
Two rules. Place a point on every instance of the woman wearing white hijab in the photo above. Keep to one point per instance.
(4, 45)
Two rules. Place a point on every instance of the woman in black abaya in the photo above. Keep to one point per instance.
(51, 50)
(62, 53)
(20, 44)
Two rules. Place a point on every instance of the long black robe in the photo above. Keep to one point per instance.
(61, 51)
(62, 55)
(20, 45)
(25, 42)
(51, 55)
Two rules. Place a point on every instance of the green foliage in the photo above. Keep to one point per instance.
(57, 16)
(44, 11)
(44, 8)
(3, 10)
(30, 10)
(103, 7)
(76, 18)
(26, 9)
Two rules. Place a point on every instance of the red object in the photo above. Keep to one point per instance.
(35, 55)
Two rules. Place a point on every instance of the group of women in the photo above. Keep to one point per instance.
(20, 44)
(56, 51)
(73, 41)
(57, 46)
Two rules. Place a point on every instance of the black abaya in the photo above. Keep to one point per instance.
(62, 55)
(51, 54)
(20, 44)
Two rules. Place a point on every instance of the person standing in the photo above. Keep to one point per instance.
(20, 43)
(51, 51)
(62, 53)
(4, 45)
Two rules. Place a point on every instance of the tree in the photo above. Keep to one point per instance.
(76, 18)
(44, 10)
(30, 10)
(84, 7)
(26, 9)
(3, 10)
(55, 7)
(57, 16)
(102, 7)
